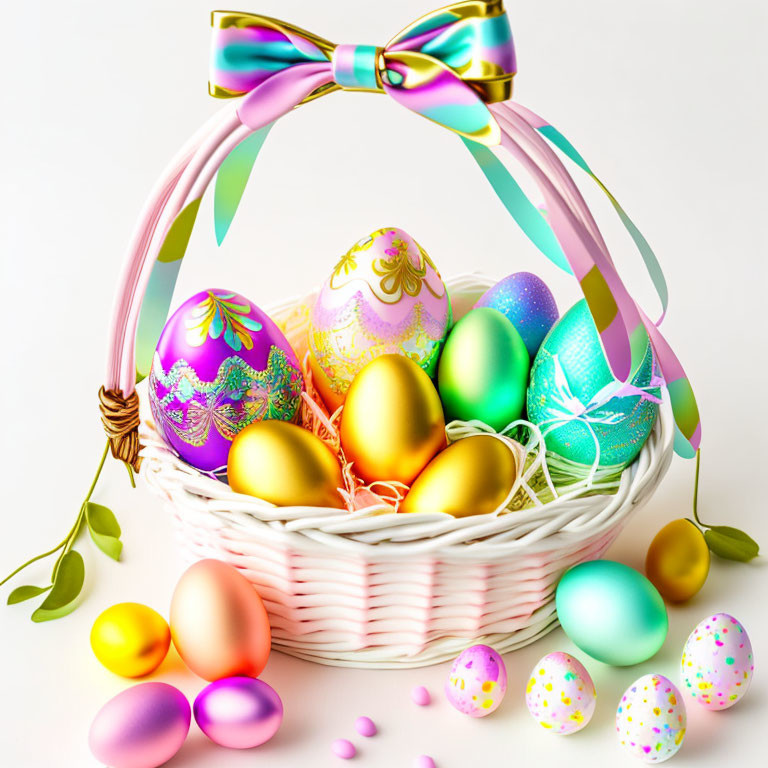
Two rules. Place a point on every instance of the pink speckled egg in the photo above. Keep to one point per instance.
(142, 727)
(560, 694)
(718, 662)
(651, 719)
(477, 681)
(220, 364)
(384, 296)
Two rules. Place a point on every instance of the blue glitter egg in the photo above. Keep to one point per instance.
(524, 299)
(570, 395)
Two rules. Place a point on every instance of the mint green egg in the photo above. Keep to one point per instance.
(483, 370)
(620, 425)
(611, 612)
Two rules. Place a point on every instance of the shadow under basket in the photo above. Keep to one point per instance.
(371, 588)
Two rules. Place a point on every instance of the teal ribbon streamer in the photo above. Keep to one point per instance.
(523, 211)
(649, 257)
(231, 180)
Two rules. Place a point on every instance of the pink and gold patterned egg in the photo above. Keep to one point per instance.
(220, 365)
(560, 694)
(477, 681)
(385, 296)
(718, 662)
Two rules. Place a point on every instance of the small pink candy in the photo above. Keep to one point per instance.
(365, 726)
(343, 749)
(420, 695)
(423, 761)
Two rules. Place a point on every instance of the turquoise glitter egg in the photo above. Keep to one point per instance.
(611, 612)
(526, 301)
(569, 395)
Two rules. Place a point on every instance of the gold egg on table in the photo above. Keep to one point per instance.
(472, 476)
(392, 423)
(285, 465)
(677, 563)
(130, 639)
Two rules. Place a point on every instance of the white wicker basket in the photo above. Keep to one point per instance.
(376, 589)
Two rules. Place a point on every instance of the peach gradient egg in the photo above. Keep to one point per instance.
(218, 623)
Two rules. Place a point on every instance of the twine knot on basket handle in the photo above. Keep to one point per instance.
(120, 417)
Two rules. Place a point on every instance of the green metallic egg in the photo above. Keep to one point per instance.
(611, 612)
(483, 371)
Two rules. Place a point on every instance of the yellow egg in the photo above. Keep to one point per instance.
(677, 562)
(130, 639)
(472, 476)
(286, 465)
(392, 423)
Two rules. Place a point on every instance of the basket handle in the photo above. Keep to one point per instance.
(177, 195)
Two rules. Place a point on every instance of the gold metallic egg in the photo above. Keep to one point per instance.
(286, 465)
(392, 423)
(472, 476)
(218, 623)
(677, 562)
(130, 639)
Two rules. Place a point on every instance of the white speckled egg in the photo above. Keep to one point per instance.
(560, 694)
(718, 662)
(650, 720)
(477, 681)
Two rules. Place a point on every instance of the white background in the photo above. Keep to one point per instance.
(666, 100)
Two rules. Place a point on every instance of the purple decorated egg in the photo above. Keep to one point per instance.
(526, 301)
(238, 712)
(142, 727)
(477, 681)
(220, 365)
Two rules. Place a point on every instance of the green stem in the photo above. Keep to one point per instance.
(98, 473)
(33, 560)
(696, 492)
(69, 540)
(130, 474)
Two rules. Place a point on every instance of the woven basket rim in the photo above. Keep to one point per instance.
(561, 523)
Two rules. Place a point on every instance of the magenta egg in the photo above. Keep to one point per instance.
(142, 727)
(238, 712)
(220, 365)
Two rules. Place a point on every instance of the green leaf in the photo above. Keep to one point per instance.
(70, 576)
(104, 528)
(731, 543)
(20, 594)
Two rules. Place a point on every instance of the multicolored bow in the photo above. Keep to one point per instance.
(447, 66)
(455, 67)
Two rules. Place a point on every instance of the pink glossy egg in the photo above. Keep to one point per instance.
(238, 712)
(142, 727)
